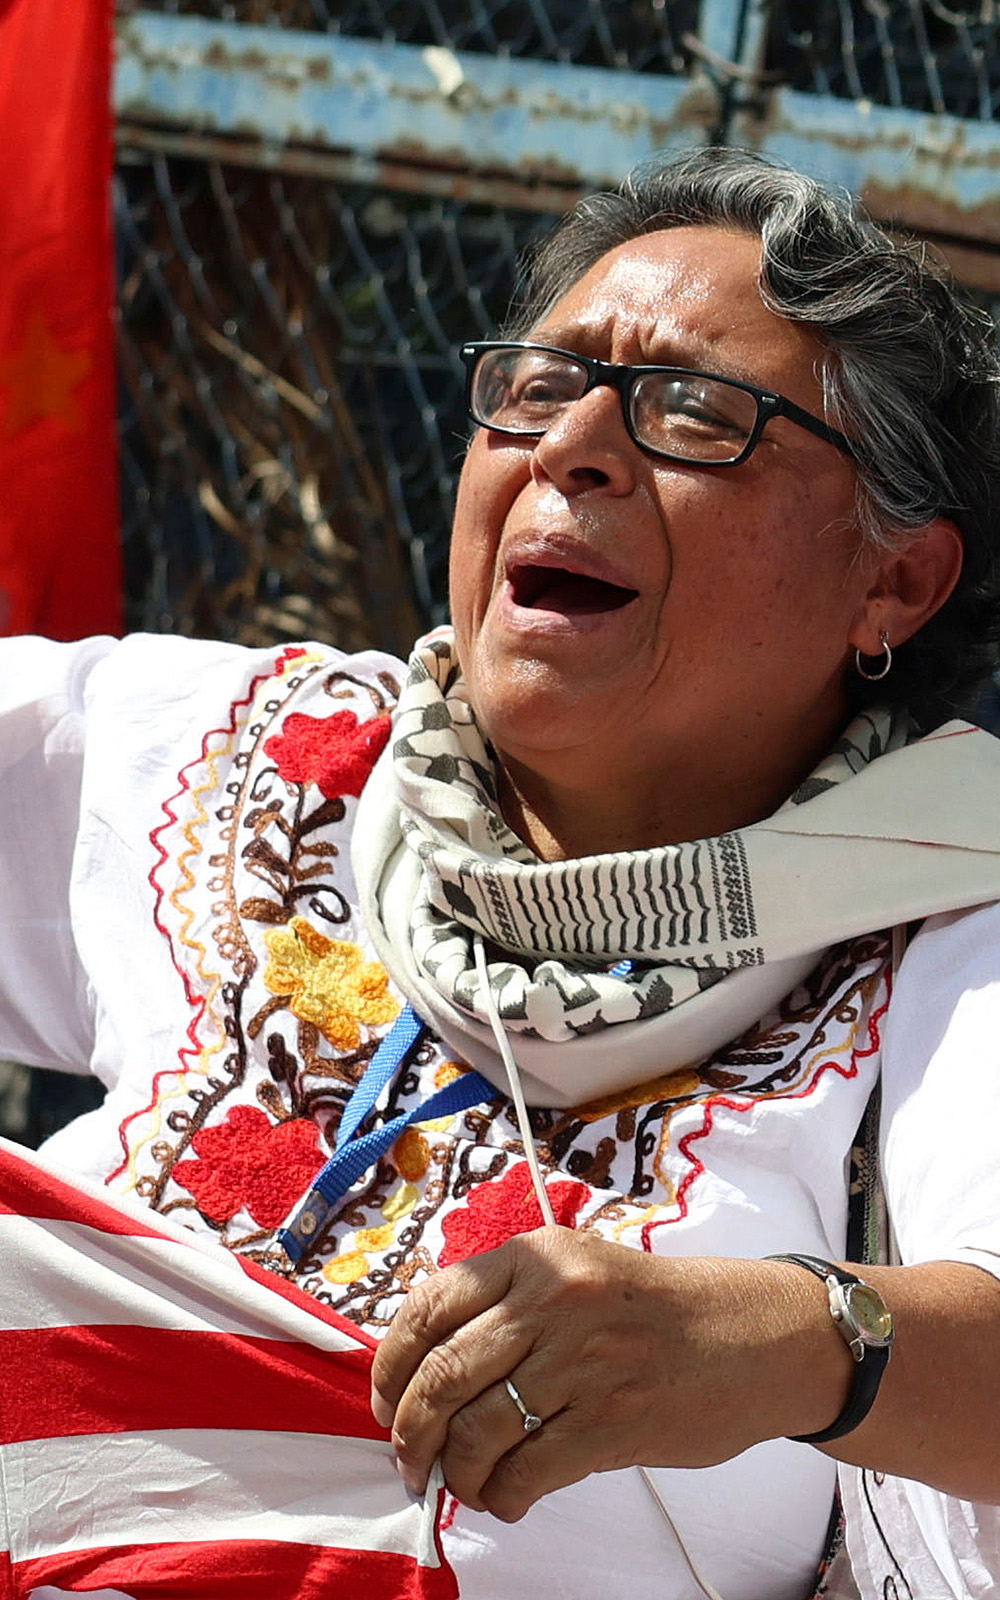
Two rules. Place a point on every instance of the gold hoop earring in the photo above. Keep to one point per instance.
(873, 677)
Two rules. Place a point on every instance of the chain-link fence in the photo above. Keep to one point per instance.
(919, 54)
(291, 415)
(637, 35)
(291, 407)
(291, 418)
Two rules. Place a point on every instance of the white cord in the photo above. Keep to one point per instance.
(899, 943)
(700, 1580)
(541, 1194)
(513, 1082)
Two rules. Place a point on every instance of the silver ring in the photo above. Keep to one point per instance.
(531, 1422)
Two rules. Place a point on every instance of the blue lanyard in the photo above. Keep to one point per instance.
(354, 1156)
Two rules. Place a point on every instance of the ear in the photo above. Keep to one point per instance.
(908, 586)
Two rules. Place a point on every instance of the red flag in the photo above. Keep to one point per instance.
(176, 1421)
(60, 569)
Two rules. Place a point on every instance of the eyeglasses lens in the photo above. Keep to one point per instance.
(524, 390)
(686, 416)
(692, 418)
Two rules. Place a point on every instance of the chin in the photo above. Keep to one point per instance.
(528, 706)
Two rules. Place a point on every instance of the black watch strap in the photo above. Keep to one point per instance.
(868, 1369)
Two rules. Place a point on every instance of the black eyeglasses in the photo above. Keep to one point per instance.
(695, 417)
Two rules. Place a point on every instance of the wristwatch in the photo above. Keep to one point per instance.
(864, 1322)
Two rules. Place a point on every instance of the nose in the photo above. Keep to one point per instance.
(588, 447)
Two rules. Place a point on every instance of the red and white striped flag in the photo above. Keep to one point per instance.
(178, 1423)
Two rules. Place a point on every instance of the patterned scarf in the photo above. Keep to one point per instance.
(616, 959)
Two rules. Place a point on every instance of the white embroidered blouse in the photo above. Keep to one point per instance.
(180, 918)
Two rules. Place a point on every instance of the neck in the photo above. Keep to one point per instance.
(565, 812)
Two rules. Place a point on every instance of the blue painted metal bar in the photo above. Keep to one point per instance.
(401, 103)
(734, 32)
(753, 37)
(937, 174)
(720, 27)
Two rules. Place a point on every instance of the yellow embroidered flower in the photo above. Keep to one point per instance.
(411, 1153)
(348, 1268)
(379, 1238)
(437, 1124)
(328, 982)
(401, 1203)
(354, 1264)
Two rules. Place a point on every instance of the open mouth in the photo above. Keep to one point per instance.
(572, 593)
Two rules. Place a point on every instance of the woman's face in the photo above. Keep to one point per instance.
(744, 581)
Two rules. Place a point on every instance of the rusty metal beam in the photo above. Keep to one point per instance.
(137, 140)
(935, 175)
(397, 106)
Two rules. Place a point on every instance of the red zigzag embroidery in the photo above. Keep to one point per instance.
(197, 1002)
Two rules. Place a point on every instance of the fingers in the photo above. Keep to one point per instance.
(454, 1377)
(544, 1461)
(585, 1332)
(422, 1328)
(491, 1464)
(490, 1427)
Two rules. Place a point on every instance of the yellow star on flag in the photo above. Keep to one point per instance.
(41, 379)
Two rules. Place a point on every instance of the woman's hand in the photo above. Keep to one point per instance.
(627, 1358)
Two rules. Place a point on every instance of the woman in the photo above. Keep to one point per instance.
(723, 545)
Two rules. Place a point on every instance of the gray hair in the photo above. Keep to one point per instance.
(911, 374)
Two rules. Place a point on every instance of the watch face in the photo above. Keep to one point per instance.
(870, 1312)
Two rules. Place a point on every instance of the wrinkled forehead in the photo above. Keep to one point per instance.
(690, 295)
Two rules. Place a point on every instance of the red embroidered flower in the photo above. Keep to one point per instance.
(496, 1211)
(248, 1161)
(337, 752)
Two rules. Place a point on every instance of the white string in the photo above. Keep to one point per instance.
(900, 939)
(513, 1082)
(541, 1194)
(702, 1582)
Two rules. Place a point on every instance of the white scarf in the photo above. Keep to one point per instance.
(718, 930)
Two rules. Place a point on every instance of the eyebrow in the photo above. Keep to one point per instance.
(706, 359)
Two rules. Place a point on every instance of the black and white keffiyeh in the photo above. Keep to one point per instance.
(608, 969)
